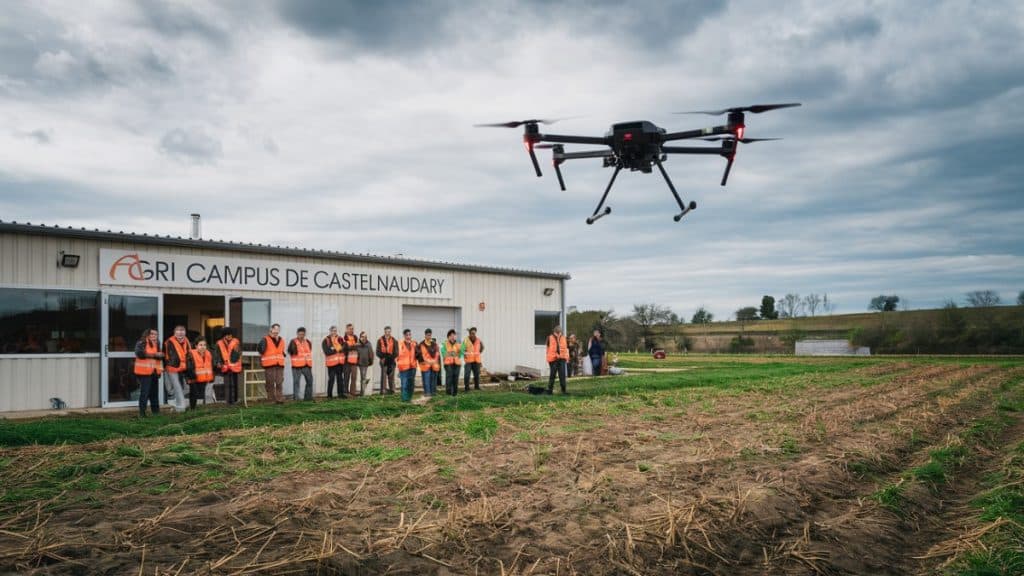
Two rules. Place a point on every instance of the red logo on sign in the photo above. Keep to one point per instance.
(130, 261)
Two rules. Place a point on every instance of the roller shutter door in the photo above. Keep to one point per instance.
(438, 319)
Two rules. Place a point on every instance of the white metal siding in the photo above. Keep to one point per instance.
(505, 325)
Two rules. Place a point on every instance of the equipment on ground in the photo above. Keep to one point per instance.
(640, 146)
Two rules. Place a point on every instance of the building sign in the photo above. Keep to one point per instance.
(149, 270)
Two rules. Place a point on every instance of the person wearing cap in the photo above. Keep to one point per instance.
(405, 361)
(557, 355)
(472, 349)
(300, 351)
(429, 357)
(387, 352)
(334, 358)
(451, 351)
(271, 349)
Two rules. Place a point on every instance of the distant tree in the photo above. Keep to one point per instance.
(827, 306)
(702, 316)
(674, 319)
(884, 303)
(746, 314)
(790, 306)
(982, 298)
(811, 303)
(768, 311)
(1020, 298)
(648, 315)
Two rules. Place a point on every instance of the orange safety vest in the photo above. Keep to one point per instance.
(337, 358)
(406, 355)
(182, 349)
(225, 357)
(430, 363)
(472, 351)
(451, 353)
(305, 354)
(557, 348)
(353, 354)
(149, 366)
(203, 365)
(273, 354)
(386, 345)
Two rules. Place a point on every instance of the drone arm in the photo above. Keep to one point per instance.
(697, 133)
(533, 158)
(584, 154)
(716, 151)
(672, 187)
(563, 139)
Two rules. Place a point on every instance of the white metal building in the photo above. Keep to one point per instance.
(73, 302)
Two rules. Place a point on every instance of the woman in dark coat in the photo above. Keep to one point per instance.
(596, 350)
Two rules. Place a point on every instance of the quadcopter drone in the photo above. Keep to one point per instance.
(640, 146)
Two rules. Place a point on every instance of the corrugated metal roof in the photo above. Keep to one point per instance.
(177, 241)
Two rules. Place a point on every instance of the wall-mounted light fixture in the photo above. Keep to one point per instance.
(549, 291)
(68, 260)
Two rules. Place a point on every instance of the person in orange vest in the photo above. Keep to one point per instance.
(472, 350)
(405, 361)
(149, 364)
(176, 349)
(334, 358)
(227, 359)
(271, 349)
(200, 371)
(387, 352)
(429, 356)
(452, 354)
(558, 355)
(351, 359)
(301, 352)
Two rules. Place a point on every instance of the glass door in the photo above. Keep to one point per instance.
(124, 317)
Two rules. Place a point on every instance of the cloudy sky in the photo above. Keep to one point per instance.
(348, 126)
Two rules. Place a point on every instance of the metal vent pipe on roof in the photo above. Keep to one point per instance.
(197, 232)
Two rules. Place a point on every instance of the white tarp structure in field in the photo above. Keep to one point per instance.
(830, 348)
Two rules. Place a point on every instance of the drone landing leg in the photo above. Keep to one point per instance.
(595, 216)
(671, 187)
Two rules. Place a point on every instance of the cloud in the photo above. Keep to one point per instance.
(898, 174)
(38, 135)
(191, 146)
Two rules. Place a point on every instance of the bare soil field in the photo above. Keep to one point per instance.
(842, 467)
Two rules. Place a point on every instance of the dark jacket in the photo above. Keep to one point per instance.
(236, 354)
(261, 346)
(328, 349)
(140, 350)
(433, 351)
(385, 358)
(365, 350)
(171, 353)
(595, 348)
(293, 350)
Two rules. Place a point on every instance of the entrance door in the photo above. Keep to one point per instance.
(124, 316)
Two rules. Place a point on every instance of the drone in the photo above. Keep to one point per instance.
(640, 146)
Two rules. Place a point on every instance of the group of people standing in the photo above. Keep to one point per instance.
(346, 356)
(563, 355)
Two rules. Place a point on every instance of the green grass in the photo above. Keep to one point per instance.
(891, 498)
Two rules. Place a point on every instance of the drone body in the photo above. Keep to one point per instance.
(640, 146)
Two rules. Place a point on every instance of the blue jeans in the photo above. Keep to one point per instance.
(429, 382)
(595, 362)
(408, 380)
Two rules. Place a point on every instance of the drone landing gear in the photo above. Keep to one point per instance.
(685, 209)
(598, 213)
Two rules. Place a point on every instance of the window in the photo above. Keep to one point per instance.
(251, 321)
(49, 321)
(543, 323)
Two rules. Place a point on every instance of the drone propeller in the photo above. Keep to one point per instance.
(755, 109)
(518, 123)
(743, 140)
